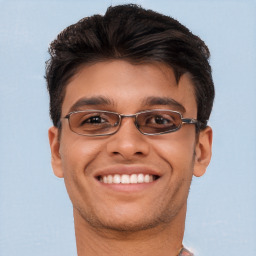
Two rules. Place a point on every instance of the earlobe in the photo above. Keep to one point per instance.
(203, 152)
(53, 134)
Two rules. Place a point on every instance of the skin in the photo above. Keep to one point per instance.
(129, 219)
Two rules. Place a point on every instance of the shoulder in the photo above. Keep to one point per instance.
(185, 252)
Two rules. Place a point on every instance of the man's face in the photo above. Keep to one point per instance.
(168, 159)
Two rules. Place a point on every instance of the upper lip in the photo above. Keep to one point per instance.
(125, 169)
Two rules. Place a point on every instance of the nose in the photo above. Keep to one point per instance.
(128, 143)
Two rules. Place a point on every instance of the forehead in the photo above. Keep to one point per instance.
(127, 88)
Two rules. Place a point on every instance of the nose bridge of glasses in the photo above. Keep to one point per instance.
(129, 116)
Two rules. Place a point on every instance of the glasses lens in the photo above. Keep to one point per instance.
(93, 123)
(159, 121)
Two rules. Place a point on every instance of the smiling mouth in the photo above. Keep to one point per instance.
(127, 179)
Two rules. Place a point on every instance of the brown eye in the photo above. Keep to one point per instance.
(159, 120)
(93, 120)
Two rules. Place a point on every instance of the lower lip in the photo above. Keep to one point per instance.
(128, 187)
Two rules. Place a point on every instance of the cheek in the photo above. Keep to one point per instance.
(77, 154)
(177, 150)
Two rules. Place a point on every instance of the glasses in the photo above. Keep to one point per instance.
(149, 122)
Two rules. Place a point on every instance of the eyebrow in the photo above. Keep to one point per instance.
(164, 101)
(149, 101)
(93, 101)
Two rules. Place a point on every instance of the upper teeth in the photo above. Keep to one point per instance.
(126, 179)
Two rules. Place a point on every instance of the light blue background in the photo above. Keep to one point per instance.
(35, 211)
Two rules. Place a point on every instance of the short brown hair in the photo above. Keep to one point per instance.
(131, 33)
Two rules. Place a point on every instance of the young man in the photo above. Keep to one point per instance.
(130, 96)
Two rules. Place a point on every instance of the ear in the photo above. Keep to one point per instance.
(53, 134)
(203, 151)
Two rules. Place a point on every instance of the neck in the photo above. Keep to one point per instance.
(165, 239)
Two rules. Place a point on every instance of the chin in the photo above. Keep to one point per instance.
(129, 226)
(129, 221)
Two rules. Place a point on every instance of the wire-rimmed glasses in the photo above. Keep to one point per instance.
(149, 122)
